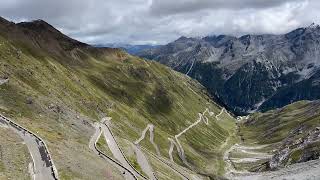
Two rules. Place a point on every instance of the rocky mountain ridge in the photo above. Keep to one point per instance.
(252, 72)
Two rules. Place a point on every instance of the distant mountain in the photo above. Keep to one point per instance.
(131, 49)
(154, 123)
(253, 72)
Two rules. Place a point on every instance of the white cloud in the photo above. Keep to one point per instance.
(161, 21)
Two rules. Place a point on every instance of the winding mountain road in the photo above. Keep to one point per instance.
(42, 166)
(301, 171)
(222, 110)
(143, 161)
(123, 164)
(121, 161)
(168, 164)
(141, 158)
(149, 127)
(176, 142)
(115, 148)
(128, 175)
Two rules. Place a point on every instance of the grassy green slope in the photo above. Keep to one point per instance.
(59, 96)
(274, 126)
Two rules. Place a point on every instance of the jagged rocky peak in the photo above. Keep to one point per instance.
(222, 61)
(220, 40)
(311, 29)
(184, 39)
(4, 21)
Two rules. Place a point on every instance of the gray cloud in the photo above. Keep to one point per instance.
(161, 21)
(165, 7)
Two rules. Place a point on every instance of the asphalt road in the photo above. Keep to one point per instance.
(115, 148)
(42, 166)
(143, 162)
(127, 174)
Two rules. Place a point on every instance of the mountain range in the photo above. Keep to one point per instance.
(71, 111)
(131, 49)
(252, 72)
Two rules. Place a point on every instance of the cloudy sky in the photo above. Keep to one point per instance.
(162, 21)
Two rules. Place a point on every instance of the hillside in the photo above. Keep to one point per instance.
(292, 131)
(283, 141)
(58, 88)
(252, 72)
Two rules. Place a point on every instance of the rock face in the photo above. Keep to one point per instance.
(253, 72)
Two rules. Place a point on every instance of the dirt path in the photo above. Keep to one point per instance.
(42, 166)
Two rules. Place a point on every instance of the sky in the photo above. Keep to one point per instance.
(163, 21)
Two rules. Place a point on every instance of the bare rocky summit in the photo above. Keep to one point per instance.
(252, 72)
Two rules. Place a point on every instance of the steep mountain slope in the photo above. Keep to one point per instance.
(305, 89)
(58, 87)
(251, 72)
